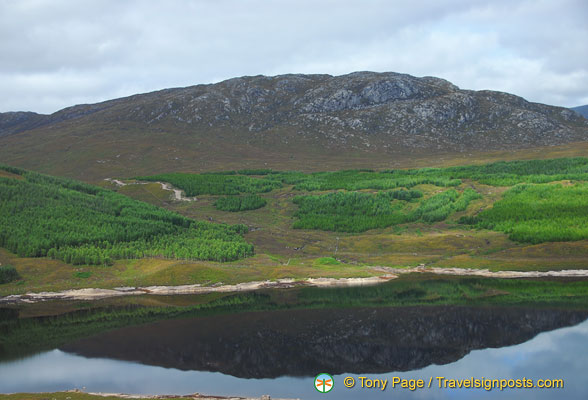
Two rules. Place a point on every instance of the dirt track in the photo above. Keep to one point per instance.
(178, 194)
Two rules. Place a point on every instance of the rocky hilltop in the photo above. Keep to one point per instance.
(366, 111)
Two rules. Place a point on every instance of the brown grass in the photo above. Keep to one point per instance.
(6, 174)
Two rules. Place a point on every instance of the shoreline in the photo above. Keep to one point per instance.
(89, 294)
(194, 396)
(387, 274)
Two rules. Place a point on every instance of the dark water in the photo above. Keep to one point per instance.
(280, 352)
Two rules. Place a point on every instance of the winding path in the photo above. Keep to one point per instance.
(178, 194)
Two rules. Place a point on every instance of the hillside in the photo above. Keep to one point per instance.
(286, 121)
(43, 216)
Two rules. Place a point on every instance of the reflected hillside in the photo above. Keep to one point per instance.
(303, 342)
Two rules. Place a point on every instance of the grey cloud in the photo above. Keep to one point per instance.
(58, 53)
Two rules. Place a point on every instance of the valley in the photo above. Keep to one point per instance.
(269, 206)
(257, 200)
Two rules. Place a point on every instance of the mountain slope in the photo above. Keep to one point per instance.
(299, 117)
(582, 110)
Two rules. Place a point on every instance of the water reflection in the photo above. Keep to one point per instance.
(305, 342)
(555, 354)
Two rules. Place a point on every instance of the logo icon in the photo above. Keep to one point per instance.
(324, 383)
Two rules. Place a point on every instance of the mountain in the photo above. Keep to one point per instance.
(292, 120)
(582, 110)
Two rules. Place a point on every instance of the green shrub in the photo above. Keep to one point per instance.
(8, 274)
(82, 274)
(326, 261)
(236, 203)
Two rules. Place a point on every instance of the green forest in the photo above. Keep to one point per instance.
(43, 216)
(358, 212)
(539, 213)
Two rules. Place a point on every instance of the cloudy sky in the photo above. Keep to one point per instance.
(58, 53)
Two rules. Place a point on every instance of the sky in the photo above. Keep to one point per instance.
(58, 53)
